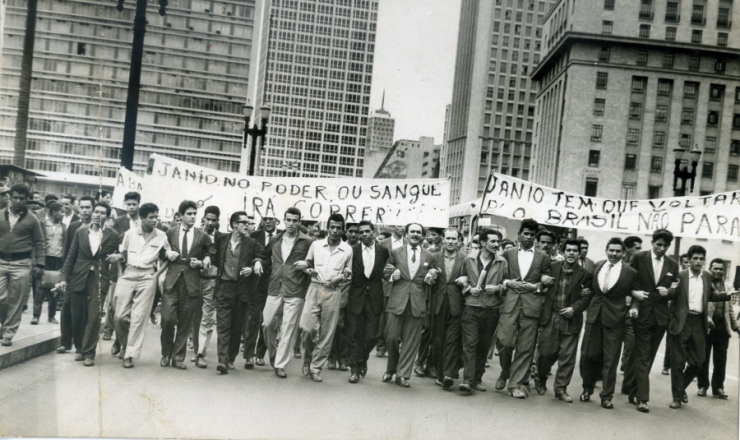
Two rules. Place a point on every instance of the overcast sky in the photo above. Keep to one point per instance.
(414, 62)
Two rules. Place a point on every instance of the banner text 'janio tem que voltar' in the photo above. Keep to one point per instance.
(381, 201)
(714, 216)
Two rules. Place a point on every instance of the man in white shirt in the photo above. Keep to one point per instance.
(68, 201)
(204, 319)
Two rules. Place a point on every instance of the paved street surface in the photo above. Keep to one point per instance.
(54, 396)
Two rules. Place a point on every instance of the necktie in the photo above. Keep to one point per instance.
(184, 243)
(605, 286)
(413, 255)
(269, 237)
(368, 263)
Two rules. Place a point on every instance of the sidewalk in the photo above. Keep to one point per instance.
(31, 340)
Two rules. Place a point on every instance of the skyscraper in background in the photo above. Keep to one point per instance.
(317, 76)
(491, 117)
(196, 69)
(379, 139)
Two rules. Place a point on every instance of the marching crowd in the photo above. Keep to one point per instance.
(419, 295)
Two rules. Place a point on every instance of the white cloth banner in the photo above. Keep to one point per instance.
(715, 216)
(382, 201)
(126, 181)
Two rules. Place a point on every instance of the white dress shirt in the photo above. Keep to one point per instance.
(268, 236)
(613, 275)
(395, 244)
(696, 293)
(657, 265)
(190, 235)
(67, 220)
(330, 263)
(413, 265)
(95, 239)
(143, 248)
(525, 260)
(368, 259)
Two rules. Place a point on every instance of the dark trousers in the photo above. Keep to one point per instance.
(477, 326)
(362, 334)
(230, 312)
(157, 299)
(178, 308)
(425, 345)
(261, 349)
(339, 351)
(648, 336)
(628, 341)
(65, 320)
(687, 354)
(255, 304)
(85, 314)
(381, 346)
(404, 328)
(446, 352)
(557, 346)
(601, 347)
(39, 293)
(716, 348)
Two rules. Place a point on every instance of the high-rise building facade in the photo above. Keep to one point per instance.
(624, 83)
(318, 73)
(410, 159)
(491, 117)
(380, 128)
(195, 74)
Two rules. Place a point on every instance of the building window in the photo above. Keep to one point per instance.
(646, 9)
(719, 66)
(667, 61)
(732, 173)
(635, 110)
(599, 106)
(604, 55)
(596, 131)
(601, 80)
(633, 136)
(687, 116)
(609, 5)
(642, 57)
(661, 113)
(697, 14)
(644, 31)
(671, 12)
(628, 191)
(737, 94)
(694, 62)
(690, 90)
(685, 140)
(722, 39)
(707, 170)
(81, 48)
(665, 87)
(656, 164)
(710, 145)
(696, 35)
(630, 161)
(670, 33)
(606, 27)
(654, 192)
(638, 84)
(735, 148)
(712, 118)
(659, 139)
(723, 17)
(592, 187)
(593, 158)
(736, 121)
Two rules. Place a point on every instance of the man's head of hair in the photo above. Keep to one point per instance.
(572, 242)
(630, 241)
(529, 223)
(235, 217)
(546, 233)
(366, 223)
(69, 197)
(615, 241)
(212, 210)
(133, 195)
(423, 230)
(484, 234)
(336, 217)
(146, 209)
(664, 234)
(102, 193)
(50, 198)
(696, 249)
(20, 188)
(54, 206)
(104, 205)
(718, 261)
(185, 205)
(293, 211)
(88, 199)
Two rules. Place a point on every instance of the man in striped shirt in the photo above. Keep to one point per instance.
(140, 250)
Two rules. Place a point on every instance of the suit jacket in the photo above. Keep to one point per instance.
(581, 278)
(362, 287)
(71, 230)
(612, 304)
(730, 319)
(588, 264)
(200, 248)
(409, 287)
(249, 252)
(445, 288)
(80, 259)
(532, 301)
(680, 297)
(387, 243)
(123, 224)
(654, 304)
(285, 278)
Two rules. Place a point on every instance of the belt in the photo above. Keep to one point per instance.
(209, 278)
(15, 256)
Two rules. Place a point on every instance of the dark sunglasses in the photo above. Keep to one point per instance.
(4, 193)
(243, 222)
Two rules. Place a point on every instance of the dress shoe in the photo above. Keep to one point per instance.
(306, 370)
(585, 396)
(231, 366)
(685, 398)
(6, 342)
(402, 382)
(62, 350)
(280, 372)
(297, 353)
(249, 364)
(343, 367)
(439, 383)
(632, 400)
(380, 353)
(479, 387)
(153, 318)
(702, 392)
(128, 363)
(539, 385)
(221, 368)
(643, 407)
(53, 321)
(192, 359)
(354, 378)
(419, 371)
(676, 404)
(447, 382)
(106, 336)
(363, 371)
(316, 377)
(88, 363)
(666, 371)
(115, 349)
(465, 387)
(607, 404)
(79, 357)
(562, 395)
(200, 362)
(165, 361)
(260, 362)
(387, 377)
(518, 393)
(179, 365)
(34, 321)
(500, 384)
(332, 365)
(720, 394)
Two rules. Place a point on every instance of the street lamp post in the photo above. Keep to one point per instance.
(683, 174)
(255, 133)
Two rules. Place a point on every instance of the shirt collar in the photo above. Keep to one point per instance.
(371, 247)
(655, 257)
(454, 255)
(521, 249)
(691, 275)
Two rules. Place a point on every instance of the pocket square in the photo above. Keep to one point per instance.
(426, 264)
(669, 274)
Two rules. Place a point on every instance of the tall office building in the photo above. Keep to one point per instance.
(624, 83)
(196, 69)
(409, 159)
(379, 139)
(318, 72)
(491, 117)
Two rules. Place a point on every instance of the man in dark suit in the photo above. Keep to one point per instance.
(181, 295)
(529, 271)
(365, 301)
(561, 321)
(583, 259)
(408, 271)
(633, 245)
(80, 273)
(447, 306)
(655, 273)
(239, 260)
(131, 201)
(691, 294)
(253, 333)
(70, 216)
(613, 283)
(393, 242)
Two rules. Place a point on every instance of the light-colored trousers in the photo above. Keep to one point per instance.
(15, 277)
(134, 296)
(208, 321)
(319, 323)
(291, 309)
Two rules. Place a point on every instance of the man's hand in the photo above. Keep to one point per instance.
(567, 312)
(547, 281)
(461, 281)
(114, 258)
(61, 286)
(633, 313)
(639, 295)
(490, 288)
(662, 291)
(515, 285)
(429, 278)
(245, 272)
(585, 291)
(37, 272)
(674, 285)
(258, 268)
(396, 275)
(475, 291)
(334, 282)
(301, 265)
(171, 255)
(195, 263)
(206, 262)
